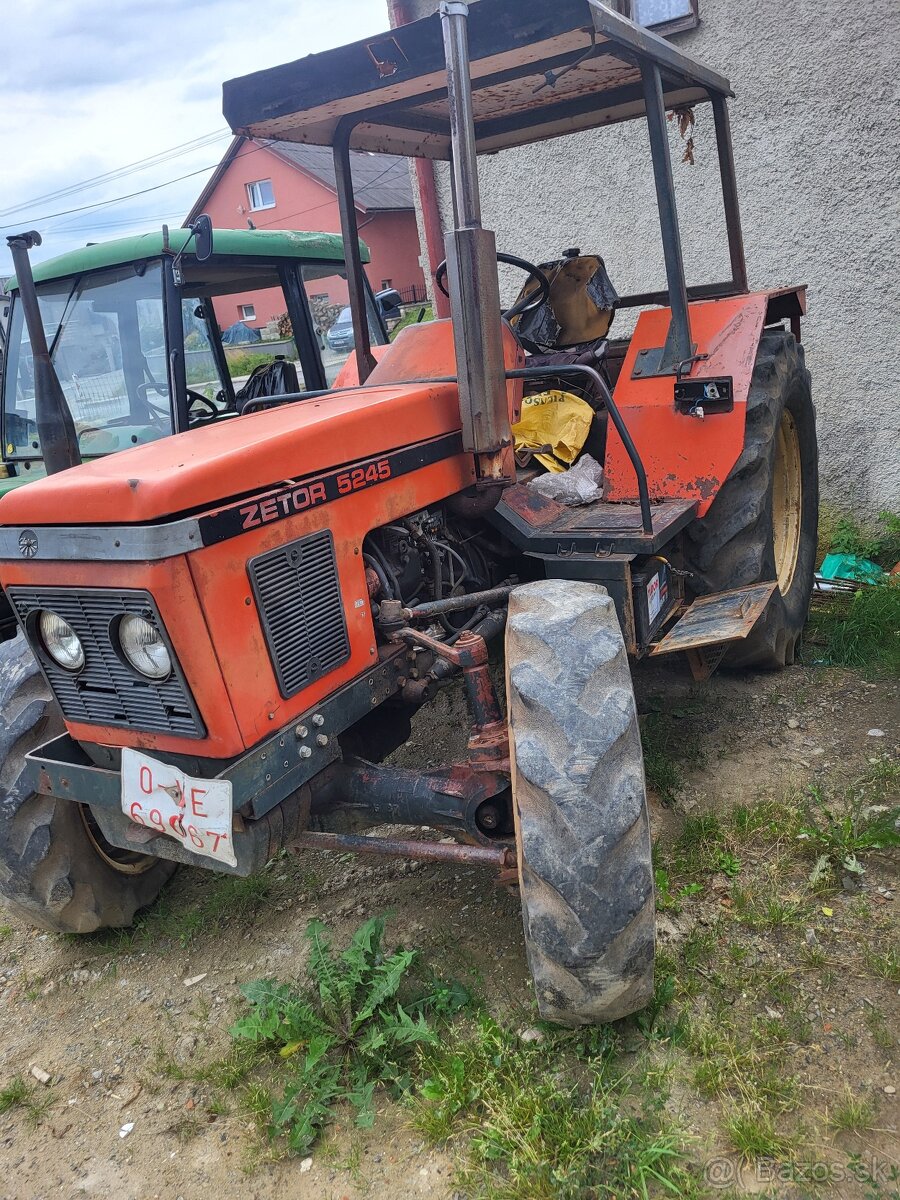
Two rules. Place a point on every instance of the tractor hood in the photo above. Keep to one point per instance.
(236, 457)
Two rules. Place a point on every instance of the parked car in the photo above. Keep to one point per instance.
(340, 335)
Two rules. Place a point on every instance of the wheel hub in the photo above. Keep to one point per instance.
(787, 502)
(126, 862)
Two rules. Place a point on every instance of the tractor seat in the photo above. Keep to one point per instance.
(571, 325)
(577, 313)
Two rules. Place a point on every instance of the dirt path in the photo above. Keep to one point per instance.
(115, 1020)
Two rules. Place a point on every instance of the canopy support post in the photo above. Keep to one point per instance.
(356, 280)
(678, 347)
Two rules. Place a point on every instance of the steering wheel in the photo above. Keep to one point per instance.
(525, 303)
(199, 398)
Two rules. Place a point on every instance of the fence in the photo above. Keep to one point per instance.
(413, 294)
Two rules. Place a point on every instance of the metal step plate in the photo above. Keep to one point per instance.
(722, 617)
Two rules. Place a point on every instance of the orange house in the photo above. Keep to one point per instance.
(286, 185)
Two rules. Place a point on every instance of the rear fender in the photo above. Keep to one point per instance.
(687, 458)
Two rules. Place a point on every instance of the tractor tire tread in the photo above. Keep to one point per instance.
(580, 804)
(51, 875)
(731, 546)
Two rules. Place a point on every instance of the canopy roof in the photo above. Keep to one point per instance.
(237, 243)
(538, 70)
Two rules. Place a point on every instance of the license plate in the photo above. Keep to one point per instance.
(195, 812)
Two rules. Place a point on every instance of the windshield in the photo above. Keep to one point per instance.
(106, 334)
(326, 287)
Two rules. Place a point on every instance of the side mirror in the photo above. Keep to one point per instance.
(202, 229)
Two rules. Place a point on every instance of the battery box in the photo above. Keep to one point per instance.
(654, 596)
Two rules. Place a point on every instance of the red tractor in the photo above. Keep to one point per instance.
(237, 624)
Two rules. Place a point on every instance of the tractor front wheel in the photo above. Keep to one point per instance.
(763, 523)
(580, 806)
(57, 871)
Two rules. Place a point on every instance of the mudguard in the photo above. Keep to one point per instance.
(685, 457)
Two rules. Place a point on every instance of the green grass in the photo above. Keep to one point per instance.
(14, 1094)
(885, 964)
(840, 826)
(757, 1135)
(246, 361)
(411, 317)
(852, 1114)
(841, 533)
(176, 921)
(882, 1034)
(19, 1093)
(762, 907)
(701, 845)
(861, 630)
(549, 1120)
(569, 1116)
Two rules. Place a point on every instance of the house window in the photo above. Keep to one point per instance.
(260, 194)
(247, 312)
(386, 283)
(665, 16)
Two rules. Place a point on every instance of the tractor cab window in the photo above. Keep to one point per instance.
(329, 304)
(236, 325)
(106, 335)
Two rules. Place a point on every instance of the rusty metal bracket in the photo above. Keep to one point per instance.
(501, 857)
(488, 744)
(704, 660)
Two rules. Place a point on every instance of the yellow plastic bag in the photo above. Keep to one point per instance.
(554, 426)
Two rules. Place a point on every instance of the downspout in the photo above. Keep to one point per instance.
(431, 217)
(56, 429)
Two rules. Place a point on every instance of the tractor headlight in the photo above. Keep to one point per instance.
(60, 641)
(143, 648)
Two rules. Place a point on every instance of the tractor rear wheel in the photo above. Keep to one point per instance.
(57, 871)
(763, 523)
(580, 806)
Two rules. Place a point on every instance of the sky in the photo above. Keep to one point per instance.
(92, 86)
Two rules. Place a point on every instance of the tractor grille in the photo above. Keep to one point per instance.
(106, 691)
(299, 601)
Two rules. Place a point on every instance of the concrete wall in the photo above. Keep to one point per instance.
(816, 142)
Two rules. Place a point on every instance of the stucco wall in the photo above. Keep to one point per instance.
(815, 130)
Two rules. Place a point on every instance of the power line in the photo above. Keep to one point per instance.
(117, 200)
(142, 164)
(125, 221)
(131, 195)
(165, 216)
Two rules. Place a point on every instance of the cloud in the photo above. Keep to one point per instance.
(90, 44)
(98, 84)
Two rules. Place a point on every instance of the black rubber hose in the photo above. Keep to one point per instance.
(376, 553)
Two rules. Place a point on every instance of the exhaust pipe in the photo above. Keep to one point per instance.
(472, 275)
(56, 429)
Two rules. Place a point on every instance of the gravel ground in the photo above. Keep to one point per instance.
(114, 1020)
